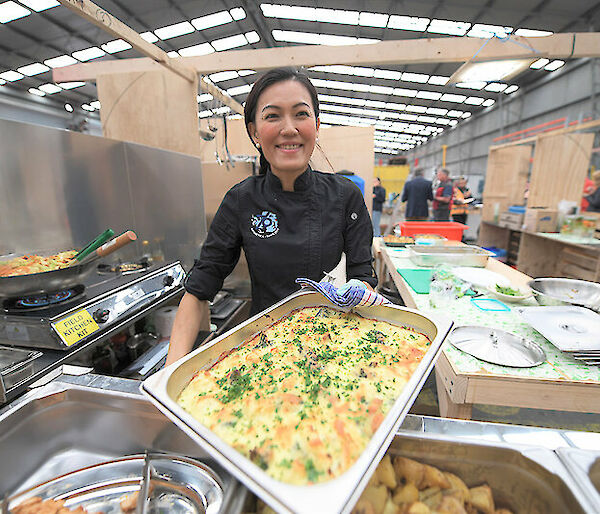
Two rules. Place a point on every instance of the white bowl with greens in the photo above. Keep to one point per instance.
(509, 293)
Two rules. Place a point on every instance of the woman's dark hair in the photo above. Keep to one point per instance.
(268, 79)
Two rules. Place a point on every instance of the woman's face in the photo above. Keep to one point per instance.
(285, 127)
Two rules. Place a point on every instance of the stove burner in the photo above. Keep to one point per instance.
(125, 268)
(40, 301)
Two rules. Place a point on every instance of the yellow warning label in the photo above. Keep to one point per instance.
(76, 327)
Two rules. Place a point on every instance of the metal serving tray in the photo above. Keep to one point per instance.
(584, 465)
(464, 255)
(339, 494)
(15, 365)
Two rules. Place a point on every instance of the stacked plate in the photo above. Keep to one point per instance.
(573, 330)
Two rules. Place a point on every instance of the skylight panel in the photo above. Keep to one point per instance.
(453, 123)
(375, 103)
(95, 104)
(33, 69)
(488, 31)
(415, 77)
(70, 85)
(341, 99)
(39, 5)
(244, 73)
(319, 39)
(474, 100)
(449, 97)
(454, 28)
(416, 108)
(252, 37)
(201, 49)
(471, 85)
(10, 11)
(87, 107)
(213, 20)
(408, 23)
(371, 19)
(540, 63)
(382, 90)
(511, 89)
(60, 61)
(50, 88)
(488, 102)
(36, 92)
(442, 121)
(223, 75)
(336, 16)
(407, 117)
(533, 33)
(395, 106)
(387, 74)
(172, 54)
(205, 114)
(117, 45)
(437, 111)
(292, 12)
(2, 82)
(410, 93)
(11, 76)
(177, 29)
(455, 114)
(88, 54)
(237, 13)
(466, 115)
(239, 90)
(554, 65)
(149, 36)
(426, 119)
(429, 95)
(229, 42)
(496, 87)
(205, 97)
(438, 80)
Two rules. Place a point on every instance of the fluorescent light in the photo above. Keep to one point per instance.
(223, 75)
(442, 121)
(68, 108)
(95, 104)
(540, 63)
(488, 102)
(205, 97)
(410, 93)
(466, 115)
(293, 12)
(201, 49)
(511, 89)
(449, 97)
(453, 122)
(336, 16)
(39, 5)
(455, 114)
(117, 45)
(177, 29)
(319, 39)
(532, 33)
(387, 74)
(375, 103)
(10, 11)
(50, 89)
(371, 19)
(474, 100)
(496, 87)
(239, 90)
(237, 13)
(244, 73)
(60, 61)
(415, 77)
(227, 43)
(252, 37)
(213, 20)
(554, 65)
(33, 69)
(488, 31)
(172, 54)
(149, 36)
(429, 95)
(88, 54)
(437, 111)
(36, 92)
(87, 107)
(408, 23)
(205, 114)
(490, 71)
(438, 80)
(71, 85)
(416, 108)
(426, 119)
(454, 28)
(381, 90)
(11, 76)
(471, 85)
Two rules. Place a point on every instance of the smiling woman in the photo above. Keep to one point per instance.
(291, 220)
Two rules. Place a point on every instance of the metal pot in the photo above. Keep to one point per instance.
(566, 291)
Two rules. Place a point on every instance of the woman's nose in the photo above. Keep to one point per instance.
(289, 127)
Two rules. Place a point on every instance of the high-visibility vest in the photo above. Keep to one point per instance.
(459, 208)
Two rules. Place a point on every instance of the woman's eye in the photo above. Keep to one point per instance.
(270, 116)
(303, 113)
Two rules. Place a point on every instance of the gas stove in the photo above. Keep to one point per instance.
(106, 301)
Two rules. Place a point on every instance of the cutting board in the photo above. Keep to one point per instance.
(418, 279)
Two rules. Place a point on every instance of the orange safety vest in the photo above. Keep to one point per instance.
(459, 208)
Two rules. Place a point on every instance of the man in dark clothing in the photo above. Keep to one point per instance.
(442, 200)
(378, 199)
(416, 193)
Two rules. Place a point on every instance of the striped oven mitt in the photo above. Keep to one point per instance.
(353, 293)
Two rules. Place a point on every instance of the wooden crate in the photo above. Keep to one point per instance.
(579, 263)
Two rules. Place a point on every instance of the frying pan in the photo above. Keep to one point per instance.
(59, 279)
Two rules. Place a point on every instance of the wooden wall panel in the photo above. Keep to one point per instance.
(560, 165)
(155, 108)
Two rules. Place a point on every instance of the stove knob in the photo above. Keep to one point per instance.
(168, 280)
(101, 315)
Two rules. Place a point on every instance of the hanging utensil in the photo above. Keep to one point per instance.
(92, 245)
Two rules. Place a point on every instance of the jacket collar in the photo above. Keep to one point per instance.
(303, 182)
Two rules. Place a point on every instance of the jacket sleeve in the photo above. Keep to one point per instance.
(220, 252)
(404, 197)
(358, 238)
(430, 192)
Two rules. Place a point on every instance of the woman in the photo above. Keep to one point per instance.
(290, 220)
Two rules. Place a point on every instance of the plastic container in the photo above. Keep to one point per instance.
(448, 229)
(499, 253)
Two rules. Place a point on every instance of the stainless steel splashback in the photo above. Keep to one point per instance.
(59, 189)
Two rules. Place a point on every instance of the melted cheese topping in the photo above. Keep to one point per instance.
(35, 264)
(303, 398)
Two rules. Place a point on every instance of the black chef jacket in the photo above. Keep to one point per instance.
(285, 235)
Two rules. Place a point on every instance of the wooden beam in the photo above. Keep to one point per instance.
(406, 51)
(107, 22)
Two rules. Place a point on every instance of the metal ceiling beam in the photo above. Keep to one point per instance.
(257, 18)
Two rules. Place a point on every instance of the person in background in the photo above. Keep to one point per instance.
(416, 193)
(594, 198)
(290, 220)
(442, 199)
(588, 188)
(378, 199)
(460, 209)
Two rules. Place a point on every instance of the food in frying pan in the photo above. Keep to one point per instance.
(28, 264)
(303, 398)
(391, 238)
(429, 236)
(36, 505)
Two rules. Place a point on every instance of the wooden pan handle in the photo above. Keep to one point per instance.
(116, 243)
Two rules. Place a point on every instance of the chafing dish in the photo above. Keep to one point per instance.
(337, 495)
(464, 255)
(566, 291)
(585, 467)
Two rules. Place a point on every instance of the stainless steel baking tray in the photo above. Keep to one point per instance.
(177, 485)
(584, 465)
(15, 365)
(497, 346)
(337, 495)
(464, 255)
(570, 329)
(566, 291)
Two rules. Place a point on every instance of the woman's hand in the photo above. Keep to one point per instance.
(353, 283)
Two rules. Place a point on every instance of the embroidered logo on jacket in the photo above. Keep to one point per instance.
(264, 224)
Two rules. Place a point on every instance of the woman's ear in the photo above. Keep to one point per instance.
(318, 125)
(253, 133)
